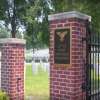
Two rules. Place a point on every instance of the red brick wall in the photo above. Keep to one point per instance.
(12, 70)
(66, 83)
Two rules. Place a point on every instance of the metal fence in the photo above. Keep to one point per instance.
(93, 66)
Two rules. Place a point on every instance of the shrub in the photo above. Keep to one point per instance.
(3, 96)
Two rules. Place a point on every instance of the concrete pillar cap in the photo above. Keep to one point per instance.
(12, 41)
(71, 14)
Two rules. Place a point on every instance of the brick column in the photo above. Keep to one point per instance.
(66, 82)
(12, 67)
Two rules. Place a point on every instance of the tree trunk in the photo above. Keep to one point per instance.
(13, 22)
(13, 25)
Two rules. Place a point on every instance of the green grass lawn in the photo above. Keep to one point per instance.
(36, 86)
(95, 80)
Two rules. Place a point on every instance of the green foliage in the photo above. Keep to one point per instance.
(28, 56)
(19, 35)
(4, 33)
(2, 9)
(86, 6)
(3, 96)
(12, 11)
(33, 14)
(44, 7)
(37, 33)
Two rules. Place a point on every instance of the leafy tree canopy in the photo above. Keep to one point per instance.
(33, 14)
(90, 7)
(12, 11)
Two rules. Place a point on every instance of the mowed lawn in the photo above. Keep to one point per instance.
(36, 86)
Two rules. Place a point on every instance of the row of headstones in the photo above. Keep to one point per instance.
(44, 66)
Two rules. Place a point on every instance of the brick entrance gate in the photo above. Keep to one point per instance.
(67, 62)
(67, 79)
(12, 67)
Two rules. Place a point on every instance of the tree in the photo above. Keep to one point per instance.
(34, 15)
(12, 11)
(37, 23)
(41, 9)
(4, 33)
(28, 13)
(86, 6)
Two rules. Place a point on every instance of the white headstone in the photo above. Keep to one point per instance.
(35, 67)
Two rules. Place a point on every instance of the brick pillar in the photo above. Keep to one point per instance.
(66, 81)
(12, 67)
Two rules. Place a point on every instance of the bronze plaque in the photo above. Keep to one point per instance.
(62, 46)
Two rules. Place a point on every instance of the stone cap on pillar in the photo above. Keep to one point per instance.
(12, 41)
(71, 14)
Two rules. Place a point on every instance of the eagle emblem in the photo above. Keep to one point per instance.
(62, 35)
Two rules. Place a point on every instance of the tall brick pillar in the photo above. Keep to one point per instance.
(12, 67)
(67, 77)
